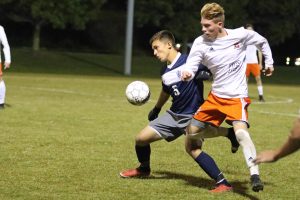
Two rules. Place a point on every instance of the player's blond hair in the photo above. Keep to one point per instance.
(213, 11)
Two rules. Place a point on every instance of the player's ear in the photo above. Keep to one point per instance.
(169, 45)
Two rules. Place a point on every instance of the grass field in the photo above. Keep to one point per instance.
(68, 131)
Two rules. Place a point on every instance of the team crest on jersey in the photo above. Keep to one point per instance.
(237, 45)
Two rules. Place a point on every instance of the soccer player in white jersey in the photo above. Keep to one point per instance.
(7, 61)
(254, 65)
(223, 51)
(186, 98)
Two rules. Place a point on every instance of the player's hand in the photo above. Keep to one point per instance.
(6, 65)
(268, 71)
(265, 156)
(203, 75)
(153, 114)
(185, 75)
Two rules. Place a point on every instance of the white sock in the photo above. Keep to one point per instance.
(249, 150)
(260, 90)
(2, 92)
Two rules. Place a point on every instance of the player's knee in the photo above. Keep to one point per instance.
(196, 131)
(191, 146)
(243, 136)
(140, 140)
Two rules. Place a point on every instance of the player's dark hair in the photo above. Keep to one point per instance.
(163, 35)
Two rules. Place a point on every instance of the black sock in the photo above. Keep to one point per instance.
(143, 155)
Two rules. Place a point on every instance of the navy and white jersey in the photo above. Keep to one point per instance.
(187, 96)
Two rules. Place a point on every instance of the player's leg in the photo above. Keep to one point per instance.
(256, 73)
(248, 70)
(260, 88)
(2, 93)
(143, 151)
(165, 127)
(2, 89)
(249, 151)
(193, 145)
(213, 131)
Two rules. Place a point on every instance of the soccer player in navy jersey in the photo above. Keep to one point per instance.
(187, 96)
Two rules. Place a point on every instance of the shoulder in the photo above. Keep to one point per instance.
(238, 31)
(2, 30)
(200, 44)
(199, 40)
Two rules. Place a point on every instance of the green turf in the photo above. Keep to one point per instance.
(68, 131)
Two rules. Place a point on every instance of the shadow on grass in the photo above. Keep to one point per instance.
(239, 187)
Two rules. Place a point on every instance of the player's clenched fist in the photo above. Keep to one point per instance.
(268, 71)
(186, 75)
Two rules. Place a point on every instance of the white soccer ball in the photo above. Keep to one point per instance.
(137, 93)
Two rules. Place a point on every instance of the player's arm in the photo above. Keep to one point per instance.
(291, 145)
(162, 99)
(262, 44)
(6, 48)
(192, 65)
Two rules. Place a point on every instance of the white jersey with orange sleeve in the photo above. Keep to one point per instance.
(225, 57)
(6, 48)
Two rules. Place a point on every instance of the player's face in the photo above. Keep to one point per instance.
(211, 29)
(161, 49)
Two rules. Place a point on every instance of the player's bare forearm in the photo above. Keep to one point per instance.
(162, 99)
(289, 147)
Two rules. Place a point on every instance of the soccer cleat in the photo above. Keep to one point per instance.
(221, 188)
(134, 173)
(2, 106)
(261, 98)
(256, 183)
(234, 143)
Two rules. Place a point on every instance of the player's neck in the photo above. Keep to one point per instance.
(222, 33)
(172, 56)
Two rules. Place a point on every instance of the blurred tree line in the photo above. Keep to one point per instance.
(99, 25)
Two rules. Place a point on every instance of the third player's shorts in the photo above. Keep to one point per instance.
(253, 68)
(215, 110)
(170, 125)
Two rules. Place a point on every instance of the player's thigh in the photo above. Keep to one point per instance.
(170, 126)
(237, 110)
(147, 135)
(195, 129)
(237, 125)
(255, 70)
(248, 70)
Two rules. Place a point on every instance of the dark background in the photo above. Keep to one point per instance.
(276, 20)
